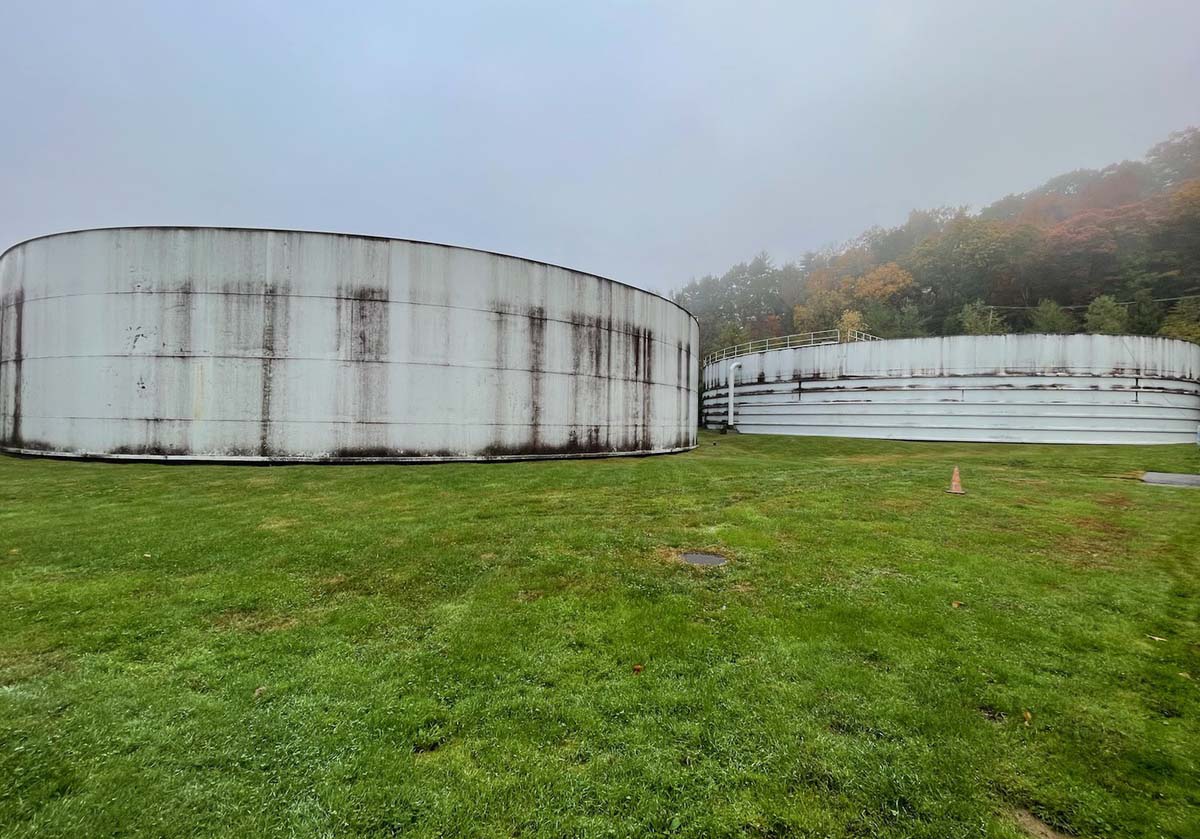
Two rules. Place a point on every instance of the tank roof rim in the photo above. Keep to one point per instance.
(373, 237)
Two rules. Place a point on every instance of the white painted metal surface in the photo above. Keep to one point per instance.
(999, 388)
(219, 344)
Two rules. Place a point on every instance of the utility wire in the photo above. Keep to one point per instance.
(1085, 305)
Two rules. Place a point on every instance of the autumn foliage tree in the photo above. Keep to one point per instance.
(1183, 321)
(1129, 232)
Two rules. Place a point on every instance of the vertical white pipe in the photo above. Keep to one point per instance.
(732, 367)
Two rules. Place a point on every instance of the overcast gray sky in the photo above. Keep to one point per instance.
(649, 142)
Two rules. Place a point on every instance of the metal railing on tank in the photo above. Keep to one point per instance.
(784, 342)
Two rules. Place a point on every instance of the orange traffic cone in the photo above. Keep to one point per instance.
(956, 484)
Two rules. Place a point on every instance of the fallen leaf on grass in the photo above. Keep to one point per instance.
(258, 692)
(956, 604)
(638, 668)
(1155, 638)
(1028, 716)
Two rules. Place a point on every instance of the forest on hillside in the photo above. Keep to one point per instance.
(1112, 250)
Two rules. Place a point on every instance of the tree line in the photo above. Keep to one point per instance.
(1112, 250)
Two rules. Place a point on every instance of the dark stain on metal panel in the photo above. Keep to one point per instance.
(635, 337)
(183, 336)
(501, 350)
(371, 329)
(608, 384)
(363, 338)
(579, 334)
(369, 324)
(386, 453)
(597, 345)
(573, 446)
(647, 387)
(154, 445)
(681, 394)
(500, 410)
(269, 337)
(579, 339)
(633, 405)
(537, 356)
(14, 437)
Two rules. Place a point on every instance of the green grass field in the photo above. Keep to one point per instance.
(451, 650)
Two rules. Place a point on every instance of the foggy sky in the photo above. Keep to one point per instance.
(651, 143)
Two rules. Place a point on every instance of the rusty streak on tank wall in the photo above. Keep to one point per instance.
(279, 346)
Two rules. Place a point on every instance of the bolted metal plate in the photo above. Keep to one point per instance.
(703, 559)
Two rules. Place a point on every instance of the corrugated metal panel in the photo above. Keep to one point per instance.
(1008, 388)
(277, 345)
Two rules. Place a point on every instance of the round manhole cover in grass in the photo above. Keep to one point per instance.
(692, 558)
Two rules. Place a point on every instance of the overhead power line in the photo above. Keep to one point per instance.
(1085, 305)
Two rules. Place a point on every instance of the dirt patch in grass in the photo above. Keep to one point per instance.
(1106, 527)
(668, 555)
(1115, 499)
(992, 714)
(349, 585)
(1035, 827)
(253, 620)
(17, 666)
(1092, 543)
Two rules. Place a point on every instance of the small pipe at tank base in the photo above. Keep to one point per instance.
(732, 367)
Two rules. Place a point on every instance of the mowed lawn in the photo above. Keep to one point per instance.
(514, 649)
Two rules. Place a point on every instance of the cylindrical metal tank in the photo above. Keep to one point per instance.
(267, 345)
(996, 388)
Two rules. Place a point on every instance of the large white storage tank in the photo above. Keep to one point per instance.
(997, 388)
(262, 345)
